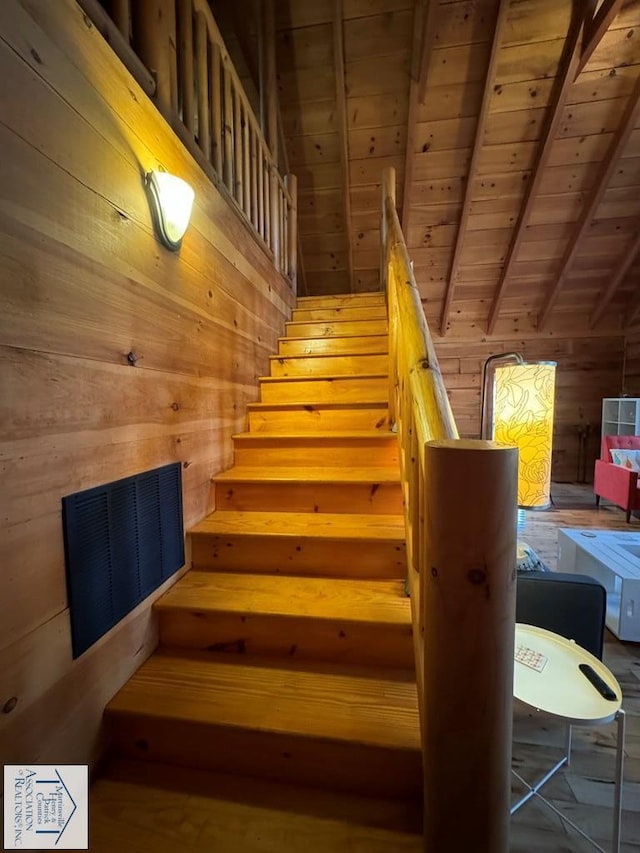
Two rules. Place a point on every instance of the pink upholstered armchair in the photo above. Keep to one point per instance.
(613, 482)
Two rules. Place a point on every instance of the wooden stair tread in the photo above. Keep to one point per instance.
(382, 335)
(304, 525)
(336, 377)
(297, 406)
(140, 806)
(363, 601)
(341, 297)
(355, 704)
(268, 473)
(327, 355)
(317, 437)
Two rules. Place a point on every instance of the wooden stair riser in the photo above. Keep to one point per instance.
(326, 557)
(327, 314)
(318, 418)
(285, 451)
(304, 496)
(317, 762)
(358, 389)
(343, 301)
(336, 328)
(329, 365)
(295, 638)
(374, 344)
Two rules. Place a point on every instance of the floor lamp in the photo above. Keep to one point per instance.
(517, 409)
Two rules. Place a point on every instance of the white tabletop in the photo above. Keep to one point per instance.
(561, 689)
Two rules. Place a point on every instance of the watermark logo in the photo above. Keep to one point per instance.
(46, 807)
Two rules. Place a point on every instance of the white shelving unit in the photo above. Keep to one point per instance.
(621, 416)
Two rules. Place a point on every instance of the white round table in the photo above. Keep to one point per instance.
(562, 691)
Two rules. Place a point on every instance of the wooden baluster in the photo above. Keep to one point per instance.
(237, 147)
(215, 95)
(121, 11)
(228, 131)
(254, 178)
(154, 31)
(202, 65)
(281, 203)
(274, 217)
(284, 257)
(185, 53)
(124, 45)
(246, 162)
(292, 186)
(261, 183)
(469, 601)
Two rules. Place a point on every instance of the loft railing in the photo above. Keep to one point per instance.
(175, 51)
(460, 517)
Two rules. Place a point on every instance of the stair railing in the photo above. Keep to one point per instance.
(460, 516)
(175, 51)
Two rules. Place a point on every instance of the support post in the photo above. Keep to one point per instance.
(468, 596)
(154, 28)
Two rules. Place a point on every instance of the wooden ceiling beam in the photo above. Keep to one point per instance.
(595, 30)
(616, 280)
(501, 18)
(428, 35)
(424, 24)
(613, 153)
(562, 84)
(343, 135)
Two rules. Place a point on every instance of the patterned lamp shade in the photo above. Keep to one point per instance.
(523, 415)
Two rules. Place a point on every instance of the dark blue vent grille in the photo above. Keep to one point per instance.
(121, 542)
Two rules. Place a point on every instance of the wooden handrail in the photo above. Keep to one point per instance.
(184, 64)
(460, 518)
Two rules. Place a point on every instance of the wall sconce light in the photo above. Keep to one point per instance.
(171, 203)
(518, 402)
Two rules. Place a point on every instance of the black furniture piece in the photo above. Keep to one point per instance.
(571, 605)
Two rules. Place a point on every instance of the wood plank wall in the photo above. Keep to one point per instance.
(631, 382)
(377, 53)
(116, 356)
(588, 370)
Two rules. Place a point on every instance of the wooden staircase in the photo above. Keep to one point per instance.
(286, 653)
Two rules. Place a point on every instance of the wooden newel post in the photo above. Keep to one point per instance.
(468, 600)
(388, 189)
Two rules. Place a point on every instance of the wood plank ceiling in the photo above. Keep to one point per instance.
(519, 188)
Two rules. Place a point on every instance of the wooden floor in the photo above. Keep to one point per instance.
(138, 807)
